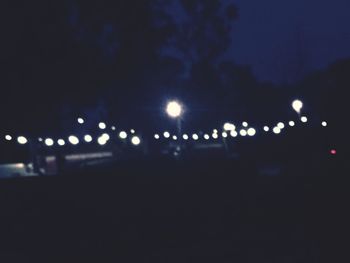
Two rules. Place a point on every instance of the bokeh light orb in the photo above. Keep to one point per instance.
(22, 140)
(276, 130)
(135, 140)
(174, 109)
(123, 135)
(61, 142)
(297, 105)
(8, 137)
(88, 138)
(243, 132)
(73, 140)
(166, 134)
(49, 142)
(251, 131)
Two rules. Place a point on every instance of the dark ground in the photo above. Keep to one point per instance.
(165, 212)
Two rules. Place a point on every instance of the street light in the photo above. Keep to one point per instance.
(185, 137)
(22, 140)
(49, 142)
(324, 124)
(206, 136)
(224, 134)
(156, 136)
(303, 119)
(102, 125)
(88, 138)
(135, 140)
(61, 142)
(81, 121)
(243, 132)
(245, 124)
(73, 140)
(280, 125)
(276, 130)
(101, 140)
(166, 134)
(174, 109)
(174, 137)
(251, 132)
(8, 137)
(266, 128)
(233, 134)
(291, 123)
(123, 135)
(229, 126)
(195, 137)
(215, 135)
(297, 106)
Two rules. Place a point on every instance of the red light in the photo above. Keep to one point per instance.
(333, 152)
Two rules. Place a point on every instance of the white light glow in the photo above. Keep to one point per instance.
(291, 123)
(22, 140)
(49, 142)
(251, 132)
(166, 134)
(174, 109)
(40, 139)
(156, 136)
(61, 142)
(113, 128)
(233, 134)
(243, 132)
(8, 137)
(88, 138)
(174, 137)
(324, 124)
(102, 125)
(106, 136)
(229, 126)
(195, 137)
(245, 124)
(215, 131)
(215, 135)
(81, 120)
(135, 140)
(280, 125)
(224, 134)
(101, 140)
(132, 131)
(276, 130)
(297, 105)
(206, 136)
(123, 135)
(73, 140)
(266, 128)
(185, 137)
(303, 119)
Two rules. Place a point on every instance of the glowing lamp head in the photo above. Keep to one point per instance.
(195, 137)
(88, 138)
(73, 140)
(185, 137)
(266, 128)
(49, 142)
(229, 126)
(280, 125)
(81, 121)
(22, 140)
(135, 140)
(233, 134)
(243, 132)
(224, 134)
(61, 142)
(297, 105)
(251, 131)
(101, 140)
(156, 136)
(324, 124)
(123, 135)
(276, 130)
(174, 109)
(8, 137)
(166, 135)
(174, 137)
(303, 119)
(215, 135)
(291, 123)
(245, 124)
(102, 125)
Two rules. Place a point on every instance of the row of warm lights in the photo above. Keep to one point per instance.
(231, 129)
(101, 140)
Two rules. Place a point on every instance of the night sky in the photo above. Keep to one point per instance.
(283, 39)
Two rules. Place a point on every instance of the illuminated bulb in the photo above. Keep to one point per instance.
(251, 132)
(135, 140)
(303, 119)
(88, 138)
(280, 125)
(166, 134)
(174, 137)
(8, 138)
(102, 125)
(49, 142)
(233, 133)
(174, 109)
(215, 136)
(123, 135)
(80, 120)
(224, 134)
(324, 124)
(206, 137)
(73, 140)
(185, 137)
(156, 136)
(276, 130)
(61, 142)
(291, 123)
(195, 137)
(243, 132)
(22, 140)
(245, 124)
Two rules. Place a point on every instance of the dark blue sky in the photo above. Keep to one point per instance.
(284, 39)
